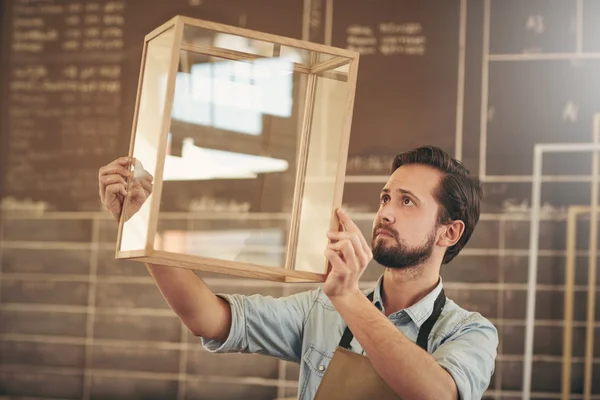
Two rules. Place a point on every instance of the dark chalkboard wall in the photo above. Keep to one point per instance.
(407, 90)
(70, 71)
(72, 81)
(73, 73)
(68, 77)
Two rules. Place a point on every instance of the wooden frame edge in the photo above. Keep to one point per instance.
(235, 55)
(162, 144)
(160, 29)
(333, 75)
(592, 262)
(566, 372)
(132, 143)
(226, 267)
(330, 64)
(305, 135)
(343, 154)
(343, 57)
(573, 213)
(122, 255)
(268, 37)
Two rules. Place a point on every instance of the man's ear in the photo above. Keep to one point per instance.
(451, 234)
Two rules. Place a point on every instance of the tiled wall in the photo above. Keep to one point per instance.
(75, 323)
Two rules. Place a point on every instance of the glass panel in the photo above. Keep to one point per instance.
(302, 56)
(246, 237)
(200, 37)
(231, 159)
(341, 63)
(196, 36)
(147, 139)
(329, 115)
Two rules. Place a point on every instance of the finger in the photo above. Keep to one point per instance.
(346, 248)
(350, 226)
(112, 169)
(333, 235)
(135, 183)
(351, 236)
(115, 167)
(346, 222)
(122, 161)
(335, 260)
(359, 250)
(139, 169)
(353, 230)
(146, 185)
(115, 178)
(108, 180)
(146, 175)
(138, 164)
(113, 189)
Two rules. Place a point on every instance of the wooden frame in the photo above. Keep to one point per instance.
(574, 212)
(570, 262)
(319, 67)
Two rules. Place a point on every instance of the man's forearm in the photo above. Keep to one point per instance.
(411, 372)
(203, 313)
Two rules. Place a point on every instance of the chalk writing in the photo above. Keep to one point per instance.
(387, 39)
(62, 111)
(361, 39)
(404, 38)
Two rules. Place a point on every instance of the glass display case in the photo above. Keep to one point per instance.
(254, 125)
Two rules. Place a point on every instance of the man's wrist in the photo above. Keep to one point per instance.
(348, 297)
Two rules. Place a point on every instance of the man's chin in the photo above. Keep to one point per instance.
(383, 241)
(389, 260)
(385, 260)
(387, 264)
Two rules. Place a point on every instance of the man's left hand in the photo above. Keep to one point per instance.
(349, 254)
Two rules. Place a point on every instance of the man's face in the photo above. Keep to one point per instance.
(405, 227)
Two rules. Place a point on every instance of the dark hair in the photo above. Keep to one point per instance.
(458, 194)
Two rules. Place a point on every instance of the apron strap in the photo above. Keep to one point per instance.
(348, 335)
(427, 326)
(424, 331)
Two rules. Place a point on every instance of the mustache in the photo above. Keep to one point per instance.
(385, 229)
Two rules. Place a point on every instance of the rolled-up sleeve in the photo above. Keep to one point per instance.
(469, 356)
(265, 325)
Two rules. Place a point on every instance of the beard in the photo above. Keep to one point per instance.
(393, 253)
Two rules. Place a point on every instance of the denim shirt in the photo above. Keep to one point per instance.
(305, 328)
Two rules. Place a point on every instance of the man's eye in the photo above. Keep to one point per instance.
(407, 201)
(385, 198)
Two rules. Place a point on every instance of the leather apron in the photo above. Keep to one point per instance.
(351, 376)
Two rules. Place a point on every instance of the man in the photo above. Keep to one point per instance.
(402, 339)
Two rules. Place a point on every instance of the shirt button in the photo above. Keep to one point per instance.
(321, 368)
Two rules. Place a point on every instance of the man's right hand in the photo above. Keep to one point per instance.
(204, 314)
(112, 182)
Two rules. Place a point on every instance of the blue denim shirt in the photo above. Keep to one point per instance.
(305, 328)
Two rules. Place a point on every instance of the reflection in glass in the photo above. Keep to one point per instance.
(250, 153)
(321, 171)
(233, 121)
(234, 95)
(147, 137)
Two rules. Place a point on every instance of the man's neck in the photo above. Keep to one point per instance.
(403, 288)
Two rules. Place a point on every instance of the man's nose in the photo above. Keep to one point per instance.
(386, 215)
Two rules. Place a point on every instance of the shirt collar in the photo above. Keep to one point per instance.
(418, 312)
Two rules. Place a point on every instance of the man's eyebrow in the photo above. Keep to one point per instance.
(401, 191)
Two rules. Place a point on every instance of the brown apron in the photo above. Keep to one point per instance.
(351, 376)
